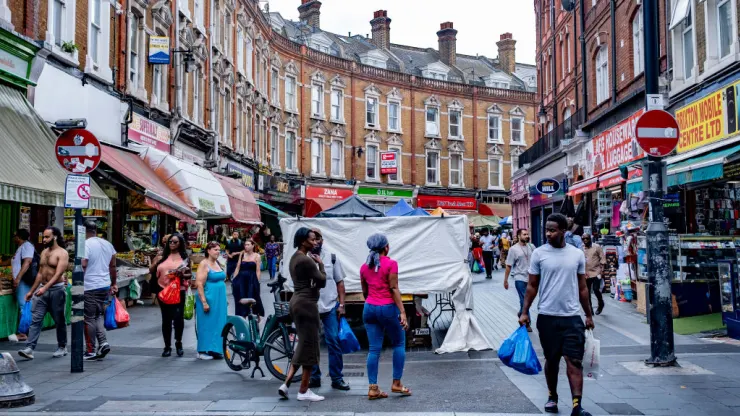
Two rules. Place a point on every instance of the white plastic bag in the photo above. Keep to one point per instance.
(592, 357)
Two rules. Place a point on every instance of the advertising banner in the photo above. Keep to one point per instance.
(703, 121)
(159, 50)
(613, 147)
(148, 133)
(388, 163)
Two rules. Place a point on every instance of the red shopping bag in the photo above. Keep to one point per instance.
(170, 295)
(122, 316)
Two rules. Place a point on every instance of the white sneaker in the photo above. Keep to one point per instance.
(204, 357)
(60, 352)
(283, 391)
(26, 353)
(309, 396)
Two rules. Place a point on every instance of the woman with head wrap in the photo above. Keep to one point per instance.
(307, 272)
(384, 313)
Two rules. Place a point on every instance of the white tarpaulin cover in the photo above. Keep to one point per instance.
(432, 257)
(195, 185)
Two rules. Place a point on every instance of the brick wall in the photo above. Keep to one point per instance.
(701, 37)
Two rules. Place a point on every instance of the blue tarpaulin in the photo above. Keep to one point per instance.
(418, 212)
(401, 208)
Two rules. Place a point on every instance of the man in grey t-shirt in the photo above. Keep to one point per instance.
(331, 309)
(557, 271)
(517, 265)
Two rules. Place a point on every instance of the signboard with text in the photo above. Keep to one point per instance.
(148, 133)
(337, 194)
(707, 120)
(447, 202)
(246, 175)
(159, 50)
(77, 192)
(613, 147)
(547, 186)
(396, 193)
(388, 163)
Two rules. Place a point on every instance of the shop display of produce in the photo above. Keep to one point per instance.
(6, 281)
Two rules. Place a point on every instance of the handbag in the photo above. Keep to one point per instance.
(170, 295)
(189, 305)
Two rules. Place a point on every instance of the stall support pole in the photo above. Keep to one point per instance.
(78, 301)
(654, 178)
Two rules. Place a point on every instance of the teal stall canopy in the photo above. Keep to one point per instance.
(701, 168)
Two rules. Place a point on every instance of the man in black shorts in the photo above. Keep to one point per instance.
(558, 272)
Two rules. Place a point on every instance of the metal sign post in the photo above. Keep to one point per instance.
(78, 151)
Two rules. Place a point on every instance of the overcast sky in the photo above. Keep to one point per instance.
(416, 22)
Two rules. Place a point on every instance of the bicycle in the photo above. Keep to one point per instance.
(243, 343)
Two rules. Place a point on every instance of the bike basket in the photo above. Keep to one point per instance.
(282, 309)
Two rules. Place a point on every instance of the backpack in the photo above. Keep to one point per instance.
(30, 276)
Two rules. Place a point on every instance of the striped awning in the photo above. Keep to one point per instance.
(582, 187)
(29, 172)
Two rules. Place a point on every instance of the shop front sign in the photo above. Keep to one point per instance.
(148, 133)
(537, 198)
(393, 193)
(245, 175)
(703, 121)
(519, 187)
(336, 194)
(447, 202)
(613, 147)
(547, 186)
(277, 189)
(13, 65)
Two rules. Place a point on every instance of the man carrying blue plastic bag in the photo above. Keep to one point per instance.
(557, 272)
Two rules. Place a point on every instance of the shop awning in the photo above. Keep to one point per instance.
(634, 185)
(499, 210)
(157, 194)
(315, 205)
(582, 187)
(29, 173)
(610, 179)
(701, 168)
(272, 210)
(196, 186)
(244, 208)
(680, 13)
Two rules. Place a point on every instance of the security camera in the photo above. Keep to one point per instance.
(72, 123)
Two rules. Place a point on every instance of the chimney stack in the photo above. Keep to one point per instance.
(381, 25)
(309, 13)
(507, 53)
(447, 36)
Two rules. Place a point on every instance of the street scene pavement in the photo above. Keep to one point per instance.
(134, 379)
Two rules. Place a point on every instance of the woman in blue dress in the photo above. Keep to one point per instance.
(246, 281)
(210, 304)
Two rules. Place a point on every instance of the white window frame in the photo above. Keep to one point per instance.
(434, 168)
(514, 159)
(681, 79)
(562, 58)
(375, 162)
(317, 100)
(264, 140)
(199, 15)
(239, 146)
(338, 94)
(250, 58)
(291, 95)
(290, 150)
(715, 60)
(257, 155)
(397, 178)
(136, 55)
(215, 102)
(521, 130)
(318, 166)
(275, 147)
(489, 130)
(638, 43)
(500, 184)
(63, 29)
(227, 116)
(248, 131)
(732, 30)
(227, 34)
(185, 91)
(397, 103)
(567, 48)
(602, 75)
(158, 84)
(95, 31)
(264, 75)
(240, 48)
(184, 7)
(197, 88)
(275, 86)
(337, 154)
(375, 124)
(460, 170)
(428, 124)
(459, 124)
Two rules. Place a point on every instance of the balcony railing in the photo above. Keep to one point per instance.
(560, 135)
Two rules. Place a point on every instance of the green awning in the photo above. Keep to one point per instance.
(701, 168)
(29, 172)
(280, 214)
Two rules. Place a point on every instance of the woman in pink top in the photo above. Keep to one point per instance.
(384, 313)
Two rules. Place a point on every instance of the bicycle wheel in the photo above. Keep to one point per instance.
(279, 354)
(235, 358)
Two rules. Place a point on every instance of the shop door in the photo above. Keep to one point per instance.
(537, 227)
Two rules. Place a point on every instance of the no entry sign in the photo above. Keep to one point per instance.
(657, 133)
(78, 151)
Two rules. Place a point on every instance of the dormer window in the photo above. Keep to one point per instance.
(321, 43)
(498, 80)
(375, 58)
(436, 70)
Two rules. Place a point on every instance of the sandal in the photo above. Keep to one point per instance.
(403, 391)
(374, 393)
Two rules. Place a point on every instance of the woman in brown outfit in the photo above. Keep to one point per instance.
(307, 272)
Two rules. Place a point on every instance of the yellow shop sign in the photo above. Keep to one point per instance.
(703, 121)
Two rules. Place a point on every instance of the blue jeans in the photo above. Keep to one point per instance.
(272, 266)
(521, 289)
(331, 336)
(378, 321)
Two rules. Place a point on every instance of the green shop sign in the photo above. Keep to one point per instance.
(396, 193)
(16, 55)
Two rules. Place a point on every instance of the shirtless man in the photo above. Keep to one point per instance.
(48, 293)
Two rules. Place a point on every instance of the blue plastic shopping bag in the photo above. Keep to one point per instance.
(518, 353)
(26, 314)
(110, 315)
(347, 339)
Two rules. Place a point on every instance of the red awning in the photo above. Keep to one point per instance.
(244, 208)
(157, 194)
(610, 179)
(582, 187)
(315, 205)
(499, 210)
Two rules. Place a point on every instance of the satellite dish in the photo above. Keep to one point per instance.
(568, 5)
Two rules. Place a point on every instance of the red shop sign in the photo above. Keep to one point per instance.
(447, 202)
(338, 194)
(613, 147)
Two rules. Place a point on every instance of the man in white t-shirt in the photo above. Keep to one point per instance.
(21, 265)
(487, 242)
(99, 263)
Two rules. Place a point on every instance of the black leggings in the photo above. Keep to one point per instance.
(173, 314)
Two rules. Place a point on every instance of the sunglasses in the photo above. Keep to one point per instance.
(174, 241)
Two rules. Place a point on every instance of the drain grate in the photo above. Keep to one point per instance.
(355, 374)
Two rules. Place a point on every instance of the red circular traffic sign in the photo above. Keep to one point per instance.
(78, 151)
(657, 132)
